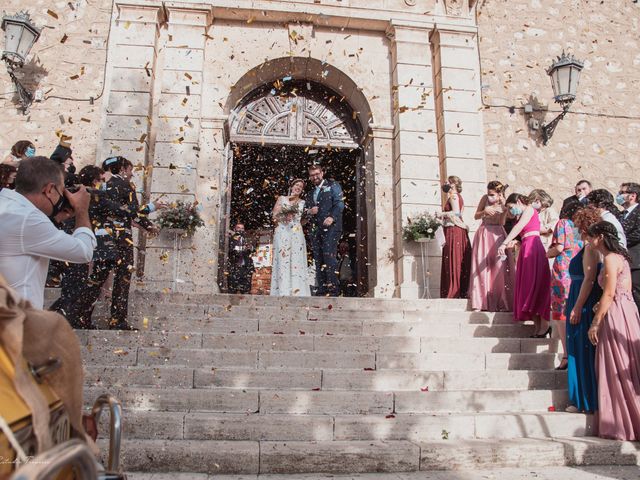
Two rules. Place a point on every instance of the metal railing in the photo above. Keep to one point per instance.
(115, 428)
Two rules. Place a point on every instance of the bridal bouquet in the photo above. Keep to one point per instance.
(423, 225)
(290, 209)
(181, 216)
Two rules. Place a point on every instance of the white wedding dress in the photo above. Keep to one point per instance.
(289, 272)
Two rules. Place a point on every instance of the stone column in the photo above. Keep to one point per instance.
(416, 170)
(130, 80)
(129, 83)
(378, 148)
(179, 170)
(459, 112)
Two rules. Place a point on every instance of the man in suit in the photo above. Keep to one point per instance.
(628, 197)
(326, 203)
(582, 189)
(241, 266)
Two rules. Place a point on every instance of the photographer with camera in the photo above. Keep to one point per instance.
(30, 239)
(116, 209)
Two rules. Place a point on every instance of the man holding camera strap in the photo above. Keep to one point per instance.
(30, 239)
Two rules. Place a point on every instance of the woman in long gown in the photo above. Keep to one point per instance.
(289, 272)
(615, 331)
(584, 294)
(492, 278)
(532, 294)
(456, 252)
(565, 243)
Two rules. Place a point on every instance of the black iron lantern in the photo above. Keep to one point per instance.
(565, 76)
(19, 36)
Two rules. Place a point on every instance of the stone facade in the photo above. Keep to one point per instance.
(518, 41)
(166, 79)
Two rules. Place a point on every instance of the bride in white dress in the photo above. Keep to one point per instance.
(289, 273)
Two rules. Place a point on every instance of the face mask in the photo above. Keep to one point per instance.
(492, 199)
(71, 169)
(515, 211)
(536, 205)
(620, 199)
(30, 152)
(57, 207)
(446, 188)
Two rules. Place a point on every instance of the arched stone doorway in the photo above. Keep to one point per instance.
(274, 132)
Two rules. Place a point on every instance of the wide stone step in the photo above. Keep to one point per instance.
(414, 427)
(293, 457)
(336, 303)
(468, 361)
(330, 402)
(201, 358)
(326, 379)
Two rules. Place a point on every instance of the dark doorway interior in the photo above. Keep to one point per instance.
(261, 173)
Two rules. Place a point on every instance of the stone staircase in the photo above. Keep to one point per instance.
(245, 385)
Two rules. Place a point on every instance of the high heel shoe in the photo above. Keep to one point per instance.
(542, 335)
(564, 364)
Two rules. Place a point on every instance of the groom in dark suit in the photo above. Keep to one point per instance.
(326, 203)
(628, 197)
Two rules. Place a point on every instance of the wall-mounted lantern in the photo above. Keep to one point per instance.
(19, 36)
(565, 75)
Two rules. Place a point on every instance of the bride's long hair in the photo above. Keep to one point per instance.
(293, 182)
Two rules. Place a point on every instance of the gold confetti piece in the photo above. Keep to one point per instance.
(142, 137)
(188, 76)
(127, 24)
(53, 14)
(250, 20)
(82, 119)
(145, 322)
(74, 77)
(64, 38)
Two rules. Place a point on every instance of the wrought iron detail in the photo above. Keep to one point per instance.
(549, 128)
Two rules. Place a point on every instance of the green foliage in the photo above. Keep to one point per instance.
(423, 225)
(181, 215)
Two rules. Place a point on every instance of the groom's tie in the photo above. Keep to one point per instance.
(316, 192)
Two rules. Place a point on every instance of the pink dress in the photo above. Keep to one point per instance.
(532, 294)
(618, 365)
(492, 279)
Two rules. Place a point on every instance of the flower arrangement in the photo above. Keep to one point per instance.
(423, 225)
(290, 209)
(181, 216)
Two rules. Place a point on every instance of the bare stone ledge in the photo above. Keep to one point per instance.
(338, 457)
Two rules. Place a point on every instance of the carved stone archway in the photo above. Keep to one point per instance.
(297, 113)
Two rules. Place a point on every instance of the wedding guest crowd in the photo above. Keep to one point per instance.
(591, 291)
(87, 235)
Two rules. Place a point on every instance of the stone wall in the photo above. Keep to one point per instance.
(67, 61)
(518, 40)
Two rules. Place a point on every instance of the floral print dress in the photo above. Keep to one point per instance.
(565, 234)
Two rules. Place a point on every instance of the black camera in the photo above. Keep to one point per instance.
(446, 188)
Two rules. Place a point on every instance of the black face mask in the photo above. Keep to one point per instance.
(446, 188)
(71, 169)
(57, 207)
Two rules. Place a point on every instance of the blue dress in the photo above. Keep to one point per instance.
(581, 354)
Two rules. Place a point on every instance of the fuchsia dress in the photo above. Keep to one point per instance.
(618, 365)
(532, 295)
